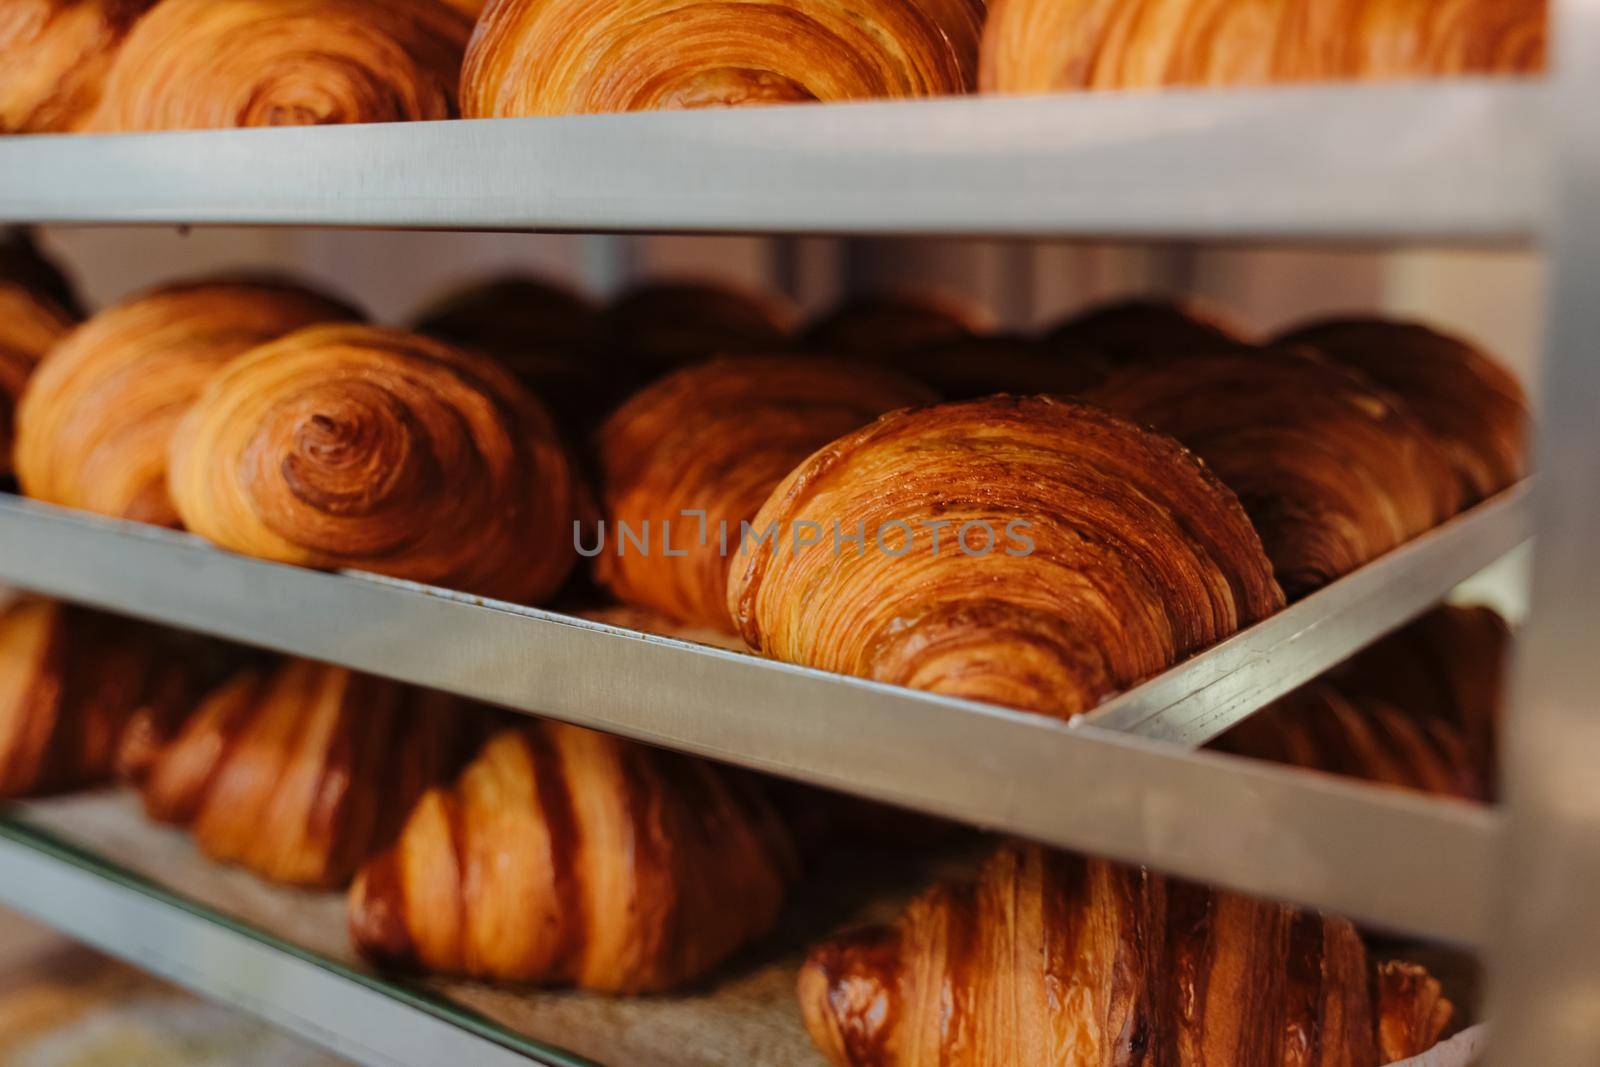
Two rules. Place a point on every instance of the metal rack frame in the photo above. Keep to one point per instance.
(1522, 881)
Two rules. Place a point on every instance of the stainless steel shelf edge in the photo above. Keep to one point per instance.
(1447, 159)
(1201, 698)
(370, 1022)
(1376, 854)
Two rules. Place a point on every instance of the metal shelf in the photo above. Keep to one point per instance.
(1091, 784)
(1463, 159)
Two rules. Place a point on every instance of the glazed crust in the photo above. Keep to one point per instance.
(565, 57)
(355, 446)
(1050, 958)
(1138, 556)
(718, 437)
(214, 64)
(564, 856)
(300, 771)
(1039, 46)
(94, 426)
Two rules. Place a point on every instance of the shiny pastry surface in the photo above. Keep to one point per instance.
(98, 414)
(564, 856)
(1040, 46)
(299, 771)
(1331, 471)
(717, 438)
(54, 56)
(567, 57)
(215, 64)
(380, 450)
(1110, 553)
(1474, 408)
(1050, 958)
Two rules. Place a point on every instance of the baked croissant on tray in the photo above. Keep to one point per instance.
(1034, 553)
(95, 422)
(567, 57)
(1331, 471)
(54, 55)
(1049, 958)
(665, 325)
(299, 771)
(214, 64)
(715, 439)
(37, 309)
(71, 682)
(1040, 46)
(380, 450)
(565, 856)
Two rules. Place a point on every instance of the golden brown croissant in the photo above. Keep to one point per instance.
(1050, 958)
(1332, 474)
(1079, 554)
(546, 335)
(380, 450)
(301, 771)
(1128, 330)
(566, 57)
(37, 309)
(211, 64)
(663, 326)
(885, 325)
(1475, 409)
(70, 682)
(94, 424)
(1036, 46)
(717, 438)
(54, 55)
(567, 856)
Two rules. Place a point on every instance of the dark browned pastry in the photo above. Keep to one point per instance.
(1474, 408)
(71, 680)
(568, 57)
(1135, 329)
(716, 438)
(1332, 473)
(547, 336)
(884, 325)
(1041, 46)
(300, 771)
(1079, 554)
(1048, 958)
(37, 309)
(668, 324)
(54, 55)
(564, 856)
(973, 367)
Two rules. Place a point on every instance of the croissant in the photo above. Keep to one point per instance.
(37, 309)
(889, 324)
(380, 450)
(54, 55)
(1051, 958)
(1129, 330)
(972, 367)
(1475, 409)
(70, 682)
(567, 57)
(1331, 472)
(545, 335)
(93, 426)
(564, 856)
(716, 438)
(1077, 554)
(210, 64)
(1040, 46)
(663, 326)
(301, 771)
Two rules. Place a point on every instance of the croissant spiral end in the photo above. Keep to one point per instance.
(54, 55)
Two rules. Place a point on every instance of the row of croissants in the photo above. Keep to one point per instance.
(1082, 510)
(117, 65)
(479, 844)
